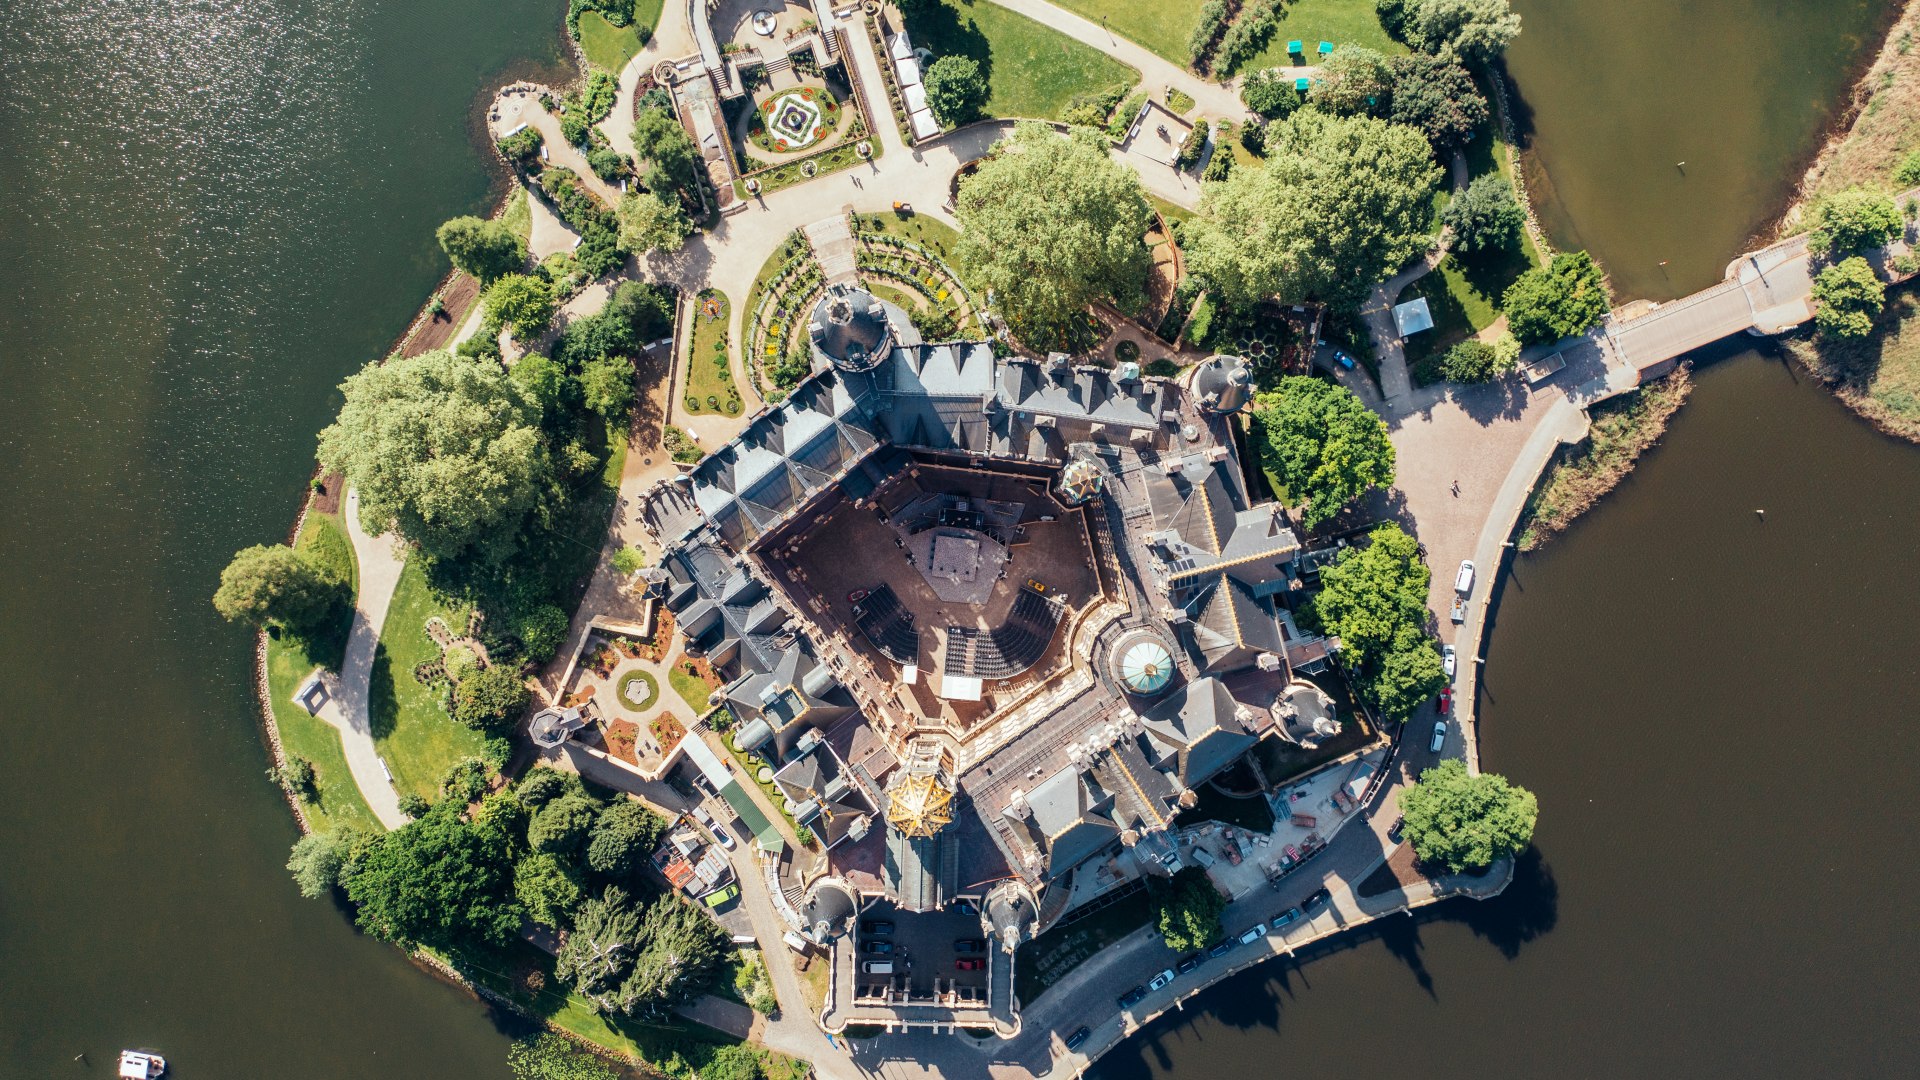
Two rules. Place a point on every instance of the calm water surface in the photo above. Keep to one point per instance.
(212, 213)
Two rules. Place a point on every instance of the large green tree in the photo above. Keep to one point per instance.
(956, 91)
(1187, 911)
(1486, 216)
(485, 249)
(1371, 593)
(444, 449)
(621, 838)
(548, 888)
(636, 313)
(606, 387)
(1561, 299)
(319, 860)
(1437, 96)
(1340, 204)
(1476, 31)
(650, 221)
(658, 138)
(491, 698)
(1052, 224)
(1354, 81)
(634, 962)
(275, 585)
(561, 826)
(1322, 444)
(523, 303)
(435, 881)
(1850, 295)
(1465, 822)
(1857, 219)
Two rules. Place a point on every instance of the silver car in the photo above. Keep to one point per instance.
(1439, 736)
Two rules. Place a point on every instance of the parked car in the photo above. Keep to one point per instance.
(1132, 997)
(1078, 1039)
(1445, 701)
(1448, 659)
(876, 946)
(877, 967)
(1439, 737)
(1191, 962)
(970, 945)
(1285, 917)
(1219, 949)
(1463, 581)
(1253, 933)
(970, 963)
(1393, 830)
(876, 926)
(1315, 899)
(1162, 980)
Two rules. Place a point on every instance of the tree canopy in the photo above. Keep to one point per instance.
(1561, 299)
(659, 138)
(1435, 95)
(1340, 204)
(319, 860)
(1857, 219)
(1485, 216)
(606, 387)
(1374, 599)
(1476, 31)
(491, 698)
(1322, 444)
(1271, 93)
(1465, 822)
(956, 91)
(445, 449)
(486, 249)
(273, 584)
(652, 222)
(636, 313)
(1850, 295)
(1187, 911)
(636, 962)
(621, 837)
(1354, 81)
(435, 881)
(1473, 361)
(561, 826)
(548, 888)
(1051, 224)
(523, 303)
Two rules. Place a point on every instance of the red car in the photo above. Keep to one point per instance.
(1446, 700)
(970, 963)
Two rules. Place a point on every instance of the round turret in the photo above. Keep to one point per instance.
(1223, 384)
(1080, 482)
(1141, 663)
(849, 329)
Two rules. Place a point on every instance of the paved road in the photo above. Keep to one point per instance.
(347, 708)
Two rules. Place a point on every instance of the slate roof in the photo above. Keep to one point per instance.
(1198, 722)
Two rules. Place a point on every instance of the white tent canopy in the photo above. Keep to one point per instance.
(1413, 316)
(909, 69)
(900, 48)
(915, 97)
(923, 124)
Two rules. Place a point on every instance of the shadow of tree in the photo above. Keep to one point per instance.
(940, 28)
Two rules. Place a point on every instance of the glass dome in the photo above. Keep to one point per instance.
(1146, 666)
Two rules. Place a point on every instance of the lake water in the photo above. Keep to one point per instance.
(215, 213)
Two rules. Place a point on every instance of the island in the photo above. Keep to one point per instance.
(883, 549)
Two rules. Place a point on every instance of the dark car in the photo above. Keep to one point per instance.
(1285, 917)
(1190, 963)
(1078, 1039)
(1220, 948)
(1319, 896)
(970, 945)
(1133, 997)
(875, 926)
(876, 946)
(970, 963)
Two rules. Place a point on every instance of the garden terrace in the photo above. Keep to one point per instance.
(786, 290)
(708, 371)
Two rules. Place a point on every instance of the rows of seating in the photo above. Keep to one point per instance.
(888, 625)
(1009, 649)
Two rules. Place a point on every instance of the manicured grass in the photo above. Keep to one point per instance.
(1048, 958)
(518, 215)
(289, 662)
(416, 737)
(692, 689)
(1878, 375)
(638, 690)
(610, 46)
(1170, 211)
(1032, 71)
(1161, 26)
(930, 232)
(707, 377)
(1342, 22)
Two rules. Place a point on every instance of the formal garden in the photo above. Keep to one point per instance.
(785, 136)
(798, 118)
(708, 372)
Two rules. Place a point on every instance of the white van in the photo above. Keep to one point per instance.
(877, 967)
(1463, 581)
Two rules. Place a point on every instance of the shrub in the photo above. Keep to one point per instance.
(1908, 174)
(465, 780)
(1247, 36)
(1849, 296)
(1162, 368)
(1471, 361)
(937, 323)
(1270, 92)
(1213, 19)
(629, 560)
(561, 826)
(296, 776)
(540, 786)
(1192, 148)
(1200, 325)
(1857, 219)
(414, 806)
(491, 699)
(541, 632)
(1906, 264)
(1220, 166)
(1486, 216)
(523, 145)
(606, 164)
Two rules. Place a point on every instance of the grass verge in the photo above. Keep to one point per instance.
(1623, 429)
(1887, 128)
(708, 386)
(610, 46)
(1032, 71)
(1877, 376)
(1161, 27)
(416, 737)
(518, 215)
(1343, 22)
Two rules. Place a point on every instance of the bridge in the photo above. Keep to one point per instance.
(1769, 291)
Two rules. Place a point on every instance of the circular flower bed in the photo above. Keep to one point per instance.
(638, 690)
(795, 119)
(1127, 351)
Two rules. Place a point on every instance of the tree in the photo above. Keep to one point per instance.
(1465, 822)
(1354, 81)
(1270, 92)
(1908, 174)
(319, 860)
(652, 222)
(545, 381)
(1187, 912)
(787, 371)
(598, 954)
(622, 836)
(1473, 361)
(541, 632)
(606, 387)
(634, 963)
(1476, 31)
(1437, 96)
(1370, 594)
(1484, 217)
(485, 249)
(547, 1056)
(547, 888)
(956, 91)
(636, 313)
(541, 786)
(491, 699)
(275, 585)
(561, 826)
(1340, 203)
(1410, 674)
(735, 1061)
(1322, 444)
(445, 450)
(1051, 224)
(435, 881)
(1558, 300)
(659, 138)
(1857, 219)
(1849, 295)
(522, 303)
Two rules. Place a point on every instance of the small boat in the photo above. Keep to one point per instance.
(141, 1065)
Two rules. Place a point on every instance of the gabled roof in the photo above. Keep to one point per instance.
(1198, 722)
(1070, 819)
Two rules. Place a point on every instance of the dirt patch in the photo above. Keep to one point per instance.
(1399, 873)
(328, 495)
(622, 737)
(432, 332)
(667, 731)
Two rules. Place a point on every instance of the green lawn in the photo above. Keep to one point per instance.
(708, 374)
(692, 689)
(518, 215)
(1161, 26)
(610, 46)
(289, 662)
(1342, 22)
(1031, 71)
(415, 736)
